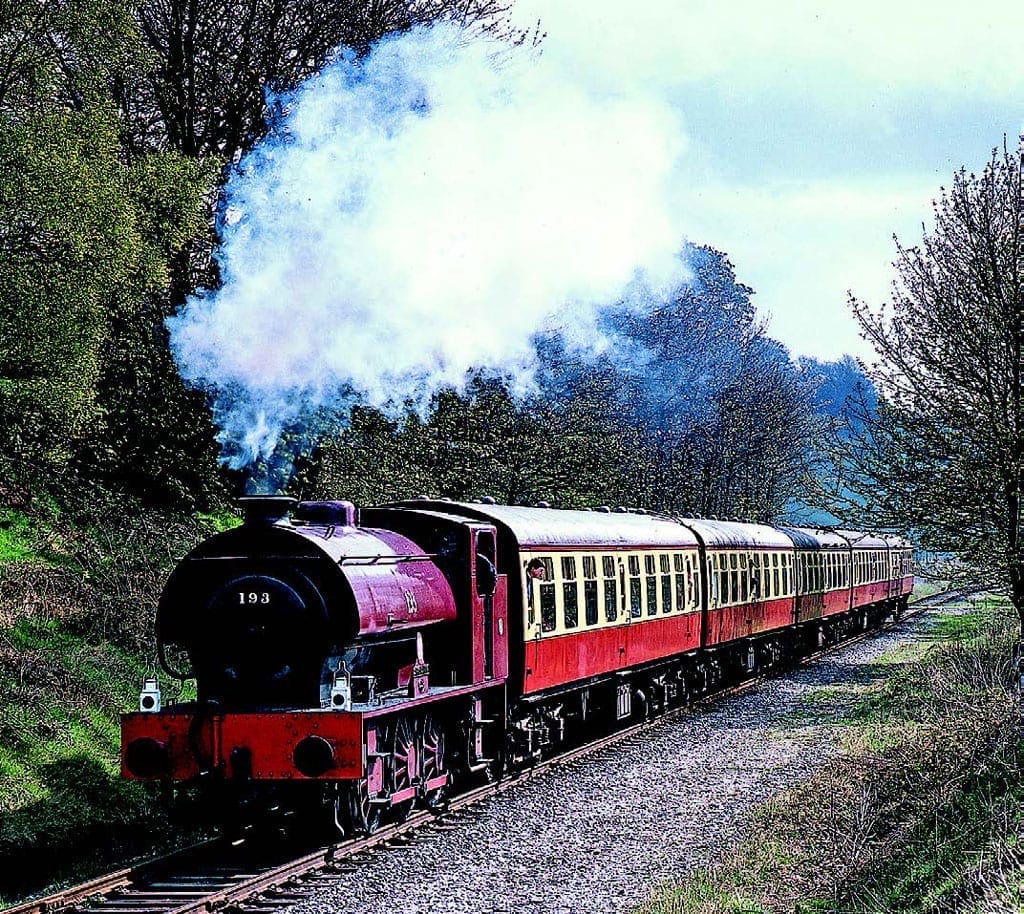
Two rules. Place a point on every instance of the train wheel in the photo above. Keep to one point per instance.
(363, 815)
(405, 766)
(433, 763)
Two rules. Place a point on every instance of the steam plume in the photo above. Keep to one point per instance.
(420, 212)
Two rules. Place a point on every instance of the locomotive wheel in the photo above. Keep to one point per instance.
(405, 765)
(432, 760)
(363, 816)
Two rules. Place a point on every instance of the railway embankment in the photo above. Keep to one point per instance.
(920, 809)
(79, 576)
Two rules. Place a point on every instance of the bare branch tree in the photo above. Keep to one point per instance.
(217, 58)
(943, 454)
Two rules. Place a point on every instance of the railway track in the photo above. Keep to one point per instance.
(216, 876)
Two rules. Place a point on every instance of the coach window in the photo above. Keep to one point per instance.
(548, 616)
(665, 566)
(652, 585)
(734, 578)
(744, 577)
(787, 561)
(714, 582)
(775, 574)
(570, 593)
(692, 583)
(635, 600)
(611, 608)
(723, 577)
(590, 589)
(681, 567)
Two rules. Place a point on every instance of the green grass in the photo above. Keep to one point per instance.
(17, 537)
(927, 588)
(973, 623)
(61, 796)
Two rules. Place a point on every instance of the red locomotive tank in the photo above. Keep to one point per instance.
(260, 610)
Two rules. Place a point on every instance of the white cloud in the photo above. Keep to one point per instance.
(803, 245)
(808, 45)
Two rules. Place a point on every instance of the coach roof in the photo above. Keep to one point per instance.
(738, 535)
(561, 528)
(819, 538)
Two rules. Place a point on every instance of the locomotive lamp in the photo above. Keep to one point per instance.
(341, 690)
(149, 697)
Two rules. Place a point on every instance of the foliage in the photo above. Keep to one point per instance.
(87, 237)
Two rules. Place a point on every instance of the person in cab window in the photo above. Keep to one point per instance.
(755, 586)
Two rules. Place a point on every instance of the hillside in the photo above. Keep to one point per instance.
(79, 575)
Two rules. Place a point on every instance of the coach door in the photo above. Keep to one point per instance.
(894, 572)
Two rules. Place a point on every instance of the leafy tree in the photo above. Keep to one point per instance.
(944, 453)
(86, 237)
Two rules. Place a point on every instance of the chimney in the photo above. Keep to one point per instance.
(266, 509)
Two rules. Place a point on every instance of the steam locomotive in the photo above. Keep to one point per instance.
(367, 661)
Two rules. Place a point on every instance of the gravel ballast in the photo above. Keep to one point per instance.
(599, 834)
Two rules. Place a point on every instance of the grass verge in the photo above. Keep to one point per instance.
(921, 814)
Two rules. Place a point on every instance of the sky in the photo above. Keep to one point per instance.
(814, 132)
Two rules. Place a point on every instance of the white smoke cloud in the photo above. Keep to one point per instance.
(420, 213)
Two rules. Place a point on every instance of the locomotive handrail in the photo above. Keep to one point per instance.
(385, 559)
